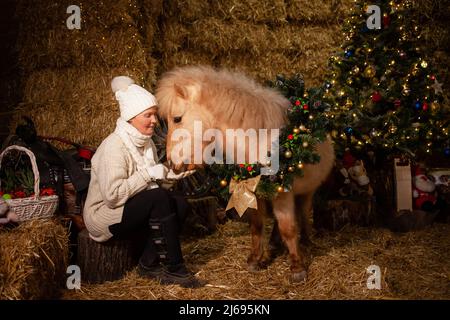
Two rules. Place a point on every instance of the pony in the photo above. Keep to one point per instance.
(224, 99)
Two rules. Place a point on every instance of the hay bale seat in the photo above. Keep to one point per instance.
(33, 260)
(111, 260)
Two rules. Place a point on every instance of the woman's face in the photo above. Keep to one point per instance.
(145, 121)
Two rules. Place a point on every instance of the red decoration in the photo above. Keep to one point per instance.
(19, 194)
(47, 192)
(433, 77)
(376, 96)
(425, 106)
(386, 21)
(242, 166)
(348, 160)
(290, 137)
(297, 103)
(249, 168)
(397, 103)
(305, 107)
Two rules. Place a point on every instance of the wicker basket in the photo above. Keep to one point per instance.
(31, 207)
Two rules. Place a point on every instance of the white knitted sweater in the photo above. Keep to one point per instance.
(114, 179)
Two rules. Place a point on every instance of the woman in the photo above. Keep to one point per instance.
(124, 194)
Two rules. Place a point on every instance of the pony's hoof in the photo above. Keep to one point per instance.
(298, 276)
(253, 267)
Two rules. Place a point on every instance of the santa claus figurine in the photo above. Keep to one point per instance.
(424, 193)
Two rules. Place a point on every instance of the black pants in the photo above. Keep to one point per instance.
(159, 213)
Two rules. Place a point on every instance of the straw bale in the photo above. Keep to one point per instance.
(151, 13)
(188, 10)
(174, 37)
(256, 11)
(318, 12)
(75, 85)
(215, 35)
(52, 13)
(33, 260)
(59, 47)
(183, 58)
(337, 264)
(268, 66)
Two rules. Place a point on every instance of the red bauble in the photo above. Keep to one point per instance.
(305, 107)
(376, 96)
(397, 103)
(386, 21)
(433, 77)
(249, 168)
(297, 103)
(290, 137)
(242, 166)
(425, 106)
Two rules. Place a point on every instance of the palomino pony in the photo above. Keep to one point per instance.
(228, 100)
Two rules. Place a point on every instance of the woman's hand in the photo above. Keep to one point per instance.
(173, 176)
(157, 172)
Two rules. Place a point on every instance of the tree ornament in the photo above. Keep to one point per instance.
(370, 71)
(424, 64)
(434, 107)
(280, 189)
(296, 131)
(291, 169)
(437, 87)
(305, 144)
(355, 70)
(348, 131)
(300, 165)
(288, 154)
(302, 128)
(406, 91)
(397, 103)
(223, 183)
(376, 96)
(386, 20)
(425, 106)
(417, 105)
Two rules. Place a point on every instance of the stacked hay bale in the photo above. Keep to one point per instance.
(33, 260)
(260, 38)
(67, 72)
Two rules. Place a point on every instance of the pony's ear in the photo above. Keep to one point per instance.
(181, 91)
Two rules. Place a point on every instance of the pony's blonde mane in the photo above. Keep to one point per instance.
(231, 97)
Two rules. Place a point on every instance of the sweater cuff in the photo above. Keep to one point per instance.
(146, 176)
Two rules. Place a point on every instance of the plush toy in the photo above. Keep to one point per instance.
(424, 191)
(6, 215)
(356, 179)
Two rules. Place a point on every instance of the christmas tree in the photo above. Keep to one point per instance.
(382, 90)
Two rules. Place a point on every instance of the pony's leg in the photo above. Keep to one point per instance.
(283, 209)
(306, 217)
(257, 231)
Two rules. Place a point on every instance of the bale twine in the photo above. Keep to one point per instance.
(33, 260)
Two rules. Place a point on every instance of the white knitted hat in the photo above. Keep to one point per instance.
(133, 99)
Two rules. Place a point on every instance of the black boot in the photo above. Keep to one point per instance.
(168, 247)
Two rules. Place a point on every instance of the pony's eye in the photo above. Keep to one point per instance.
(177, 119)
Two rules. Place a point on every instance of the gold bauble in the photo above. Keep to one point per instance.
(302, 128)
(355, 69)
(349, 81)
(300, 165)
(434, 107)
(280, 189)
(296, 130)
(370, 71)
(424, 64)
(291, 169)
(305, 144)
(288, 154)
(223, 183)
(349, 103)
(406, 91)
(281, 176)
